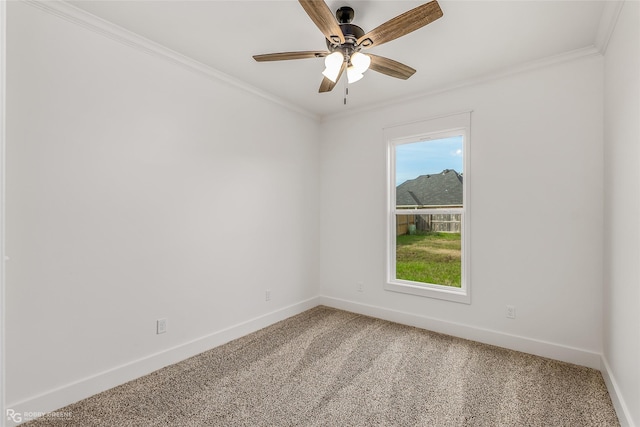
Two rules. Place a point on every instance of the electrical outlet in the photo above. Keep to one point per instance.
(161, 326)
(267, 295)
(360, 287)
(511, 312)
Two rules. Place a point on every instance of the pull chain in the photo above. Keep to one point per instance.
(346, 90)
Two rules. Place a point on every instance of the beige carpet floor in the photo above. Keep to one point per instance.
(327, 367)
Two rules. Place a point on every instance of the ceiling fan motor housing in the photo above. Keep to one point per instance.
(350, 31)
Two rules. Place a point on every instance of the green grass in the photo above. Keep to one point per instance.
(429, 258)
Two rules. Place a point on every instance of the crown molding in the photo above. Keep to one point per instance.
(590, 51)
(606, 27)
(608, 22)
(121, 35)
(107, 29)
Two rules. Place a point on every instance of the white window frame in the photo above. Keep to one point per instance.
(430, 129)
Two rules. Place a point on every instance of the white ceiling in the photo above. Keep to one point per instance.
(472, 39)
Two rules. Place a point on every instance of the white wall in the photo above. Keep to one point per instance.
(137, 190)
(622, 211)
(536, 203)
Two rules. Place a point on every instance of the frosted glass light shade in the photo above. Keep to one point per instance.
(333, 63)
(360, 62)
(353, 75)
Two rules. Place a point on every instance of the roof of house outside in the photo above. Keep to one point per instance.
(442, 189)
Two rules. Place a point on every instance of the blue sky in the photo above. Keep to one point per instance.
(428, 157)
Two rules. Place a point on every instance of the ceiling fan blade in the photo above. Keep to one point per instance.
(327, 85)
(283, 56)
(324, 19)
(390, 67)
(402, 24)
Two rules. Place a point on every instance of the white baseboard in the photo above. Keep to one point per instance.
(73, 392)
(622, 410)
(513, 342)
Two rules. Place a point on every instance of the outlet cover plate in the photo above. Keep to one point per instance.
(511, 312)
(161, 326)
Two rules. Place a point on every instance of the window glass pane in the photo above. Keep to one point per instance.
(429, 175)
(427, 251)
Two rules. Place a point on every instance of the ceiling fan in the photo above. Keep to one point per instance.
(345, 41)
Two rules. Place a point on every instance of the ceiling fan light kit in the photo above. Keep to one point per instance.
(353, 75)
(360, 61)
(345, 41)
(333, 63)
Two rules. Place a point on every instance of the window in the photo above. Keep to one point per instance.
(428, 208)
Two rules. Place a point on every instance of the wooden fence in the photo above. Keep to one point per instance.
(443, 223)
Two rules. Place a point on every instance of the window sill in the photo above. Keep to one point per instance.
(429, 291)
